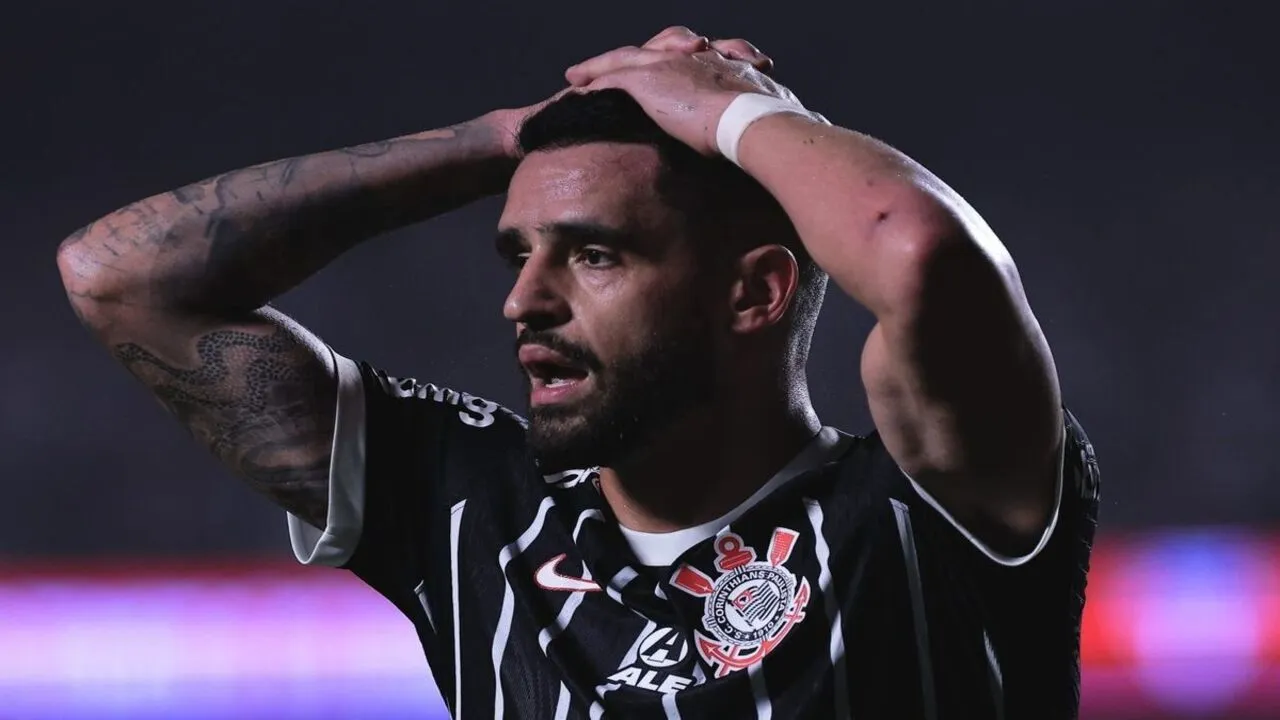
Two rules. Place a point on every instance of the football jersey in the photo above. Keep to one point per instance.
(840, 589)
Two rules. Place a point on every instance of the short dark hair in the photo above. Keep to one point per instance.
(716, 198)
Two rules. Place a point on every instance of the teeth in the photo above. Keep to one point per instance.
(557, 382)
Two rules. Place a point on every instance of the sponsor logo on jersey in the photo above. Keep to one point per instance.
(751, 606)
(661, 651)
(473, 411)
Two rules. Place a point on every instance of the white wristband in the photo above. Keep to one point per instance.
(746, 109)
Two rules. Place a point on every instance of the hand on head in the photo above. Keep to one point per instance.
(683, 80)
(673, 43)
(681, 39)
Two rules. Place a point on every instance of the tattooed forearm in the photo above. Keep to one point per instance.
(177, 285)
(373, 149)
(235, 241)
(260, 400)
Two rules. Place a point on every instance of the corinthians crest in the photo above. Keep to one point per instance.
(749, 609)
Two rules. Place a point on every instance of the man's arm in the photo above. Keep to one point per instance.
(176, 286)
(959, 376)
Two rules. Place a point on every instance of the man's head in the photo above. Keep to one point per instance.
(651, 281)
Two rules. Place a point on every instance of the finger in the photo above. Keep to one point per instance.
(678, 38)
(739, 49)
(586, 71)
(674, 31)
(679, 44)
(604, 82)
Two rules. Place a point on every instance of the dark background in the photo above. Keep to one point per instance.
(1125, 152)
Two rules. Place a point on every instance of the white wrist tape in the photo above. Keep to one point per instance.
(746, 109)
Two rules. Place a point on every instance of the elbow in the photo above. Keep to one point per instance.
(931, 250)
(94, 289)
(76, 266)
(79, 275)
(73, 262)
(922, 228)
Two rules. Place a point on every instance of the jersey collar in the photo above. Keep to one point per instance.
(662, 549)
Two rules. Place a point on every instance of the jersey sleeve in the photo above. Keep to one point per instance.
(1028, 608)
(403, 454)
(1075, 498)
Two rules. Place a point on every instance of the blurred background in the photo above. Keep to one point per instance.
(1125, 152)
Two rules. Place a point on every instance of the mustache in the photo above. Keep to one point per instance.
(575, 354)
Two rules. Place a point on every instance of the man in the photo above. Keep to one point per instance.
(673, 533)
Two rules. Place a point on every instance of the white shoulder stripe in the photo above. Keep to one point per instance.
(345, 519)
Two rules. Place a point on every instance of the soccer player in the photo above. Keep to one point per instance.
(672, 533)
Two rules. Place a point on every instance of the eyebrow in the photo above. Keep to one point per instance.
(510, 241)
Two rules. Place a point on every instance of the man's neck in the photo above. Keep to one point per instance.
(704, 466)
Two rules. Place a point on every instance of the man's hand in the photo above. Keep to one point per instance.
(683, 81)
(674, 42)
(679, 38)
(507, 122)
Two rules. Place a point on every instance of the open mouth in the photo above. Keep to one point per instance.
(554, 375)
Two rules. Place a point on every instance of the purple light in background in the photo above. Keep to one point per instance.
(274, 641)
(1198, 629)
(385, 699)
(298, 647)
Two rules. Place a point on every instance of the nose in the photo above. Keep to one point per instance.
(535, 301)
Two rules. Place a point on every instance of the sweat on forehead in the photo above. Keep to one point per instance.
(604, 162)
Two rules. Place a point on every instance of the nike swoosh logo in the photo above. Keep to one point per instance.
(548, 579)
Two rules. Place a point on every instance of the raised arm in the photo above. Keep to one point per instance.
(959, 377)
(176, 287)
(958, 374)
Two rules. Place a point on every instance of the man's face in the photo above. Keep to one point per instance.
(612, 328)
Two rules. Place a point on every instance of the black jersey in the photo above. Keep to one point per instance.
(842, 591)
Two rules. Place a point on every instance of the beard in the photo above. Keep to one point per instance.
(633, 400)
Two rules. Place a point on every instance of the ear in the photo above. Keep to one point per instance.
(765, 285)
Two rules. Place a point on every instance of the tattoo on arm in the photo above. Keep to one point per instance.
(234, 242)
(261, 402)
(212, 254)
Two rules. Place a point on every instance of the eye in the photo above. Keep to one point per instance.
(595, 257)
(515, 261)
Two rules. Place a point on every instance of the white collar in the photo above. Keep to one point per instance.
(662, 549)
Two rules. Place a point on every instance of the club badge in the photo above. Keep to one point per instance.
(749, 609)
